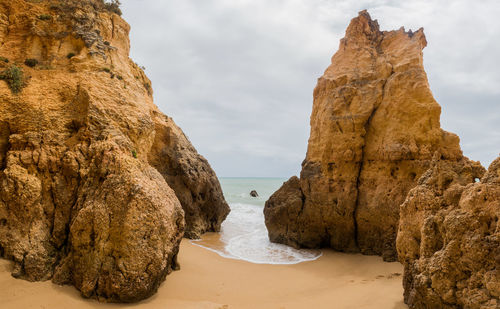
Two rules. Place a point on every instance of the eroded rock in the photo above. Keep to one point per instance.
(191, 177)
(449, 237)
(86, 158)
(374, 130)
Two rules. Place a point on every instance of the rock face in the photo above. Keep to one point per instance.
(191, 177)
(449, 237)
(93, 177)
(374, 130)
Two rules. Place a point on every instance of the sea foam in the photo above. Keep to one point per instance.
(244, 236)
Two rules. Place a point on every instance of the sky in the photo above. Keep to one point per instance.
(238, 75)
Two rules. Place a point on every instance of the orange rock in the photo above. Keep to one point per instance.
(449, 237)
(374, 129)
(93, 176)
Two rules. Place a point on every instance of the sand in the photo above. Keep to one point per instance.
(207, 280)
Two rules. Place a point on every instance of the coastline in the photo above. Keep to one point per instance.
(207, 280)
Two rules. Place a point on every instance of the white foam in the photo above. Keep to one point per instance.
(244, 236)
(256, 248)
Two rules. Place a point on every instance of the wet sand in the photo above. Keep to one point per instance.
(207, 280)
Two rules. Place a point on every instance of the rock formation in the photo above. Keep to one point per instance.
(449, 237)
(374, 130)
(191, 177)
(93, 177)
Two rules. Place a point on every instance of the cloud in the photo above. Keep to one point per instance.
(238, 75)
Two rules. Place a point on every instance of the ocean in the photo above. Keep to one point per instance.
(243, 234)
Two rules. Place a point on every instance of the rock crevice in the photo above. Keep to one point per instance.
(358, 178)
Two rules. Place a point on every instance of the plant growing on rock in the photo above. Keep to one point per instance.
(44, 17)
(68, 7)
(31, 62)
(14, 78)
(113, 6)
(148, 88)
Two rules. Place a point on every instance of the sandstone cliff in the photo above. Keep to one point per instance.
(449, 237)
(93, 178)
(374, 130)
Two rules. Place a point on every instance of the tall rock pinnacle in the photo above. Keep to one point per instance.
(374, 131)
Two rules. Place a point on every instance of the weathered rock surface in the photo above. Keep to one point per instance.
(374, 129)
(87, 161)
(191, 177)
(449, 237)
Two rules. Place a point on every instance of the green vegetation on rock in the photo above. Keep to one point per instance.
(44, 17)
(14, 78)
(31, 62)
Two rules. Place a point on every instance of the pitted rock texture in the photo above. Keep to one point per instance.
(374, 130)
(86, 158)
(449, 238)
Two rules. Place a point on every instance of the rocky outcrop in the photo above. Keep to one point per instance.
(449, 237)
(93, 177)
(374, 130)
(191, 177)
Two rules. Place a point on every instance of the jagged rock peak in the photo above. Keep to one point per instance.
(363, 28)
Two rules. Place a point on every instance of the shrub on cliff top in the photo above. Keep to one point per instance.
(68, 6)
(113, 6)
(14, 78)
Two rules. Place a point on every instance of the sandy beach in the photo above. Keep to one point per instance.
(207, 280)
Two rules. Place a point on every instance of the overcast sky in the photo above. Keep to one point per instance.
(238, 75)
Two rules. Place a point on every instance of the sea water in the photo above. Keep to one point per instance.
(243, 234)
